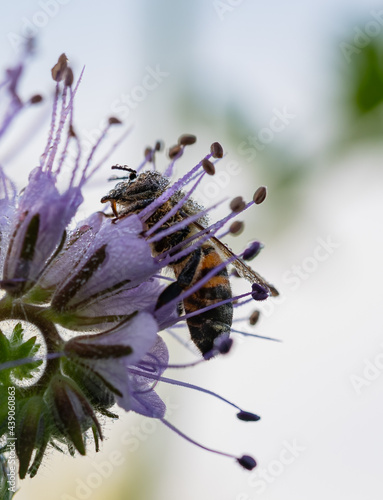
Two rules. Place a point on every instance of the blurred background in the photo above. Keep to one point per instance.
(293, 91)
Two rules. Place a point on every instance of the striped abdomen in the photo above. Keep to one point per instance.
(205, 327)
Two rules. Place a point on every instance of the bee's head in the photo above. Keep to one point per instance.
(136, 192)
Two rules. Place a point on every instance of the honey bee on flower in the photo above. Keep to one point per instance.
(95, 292)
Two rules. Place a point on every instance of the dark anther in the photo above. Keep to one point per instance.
(114, 121)
(159, 146)
(223, 345)
(237, 204)
(258, 292)
(208, 166)
(254, 318)
(187, 139)
(252, 251)
(59, 69)
(247, 462)
(175, 151)
(236, 227)
(216, 150)
(260, 195)
(36, 99)
(247, 416)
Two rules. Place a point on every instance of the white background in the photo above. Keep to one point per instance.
(256, 56)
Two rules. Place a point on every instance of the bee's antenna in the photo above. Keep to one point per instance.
(130, 177)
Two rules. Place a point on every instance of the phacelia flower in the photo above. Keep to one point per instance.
(94, 291)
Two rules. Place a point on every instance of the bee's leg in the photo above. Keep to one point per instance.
(167, 242)
(184, 279)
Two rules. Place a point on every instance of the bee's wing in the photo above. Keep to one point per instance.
(240, 265)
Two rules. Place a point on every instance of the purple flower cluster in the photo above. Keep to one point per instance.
(101, 281)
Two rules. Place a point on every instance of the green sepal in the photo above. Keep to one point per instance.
(29, 425)
(14, 349)
(72, 412)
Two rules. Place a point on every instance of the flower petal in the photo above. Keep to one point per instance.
(38, 227)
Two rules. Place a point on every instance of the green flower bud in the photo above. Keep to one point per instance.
(73, 414)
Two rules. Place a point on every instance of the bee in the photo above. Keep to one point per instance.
(132, 196)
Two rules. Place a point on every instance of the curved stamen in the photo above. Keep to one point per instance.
(250, 416)
(245, 461)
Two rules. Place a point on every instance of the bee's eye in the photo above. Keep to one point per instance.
(132, 176)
